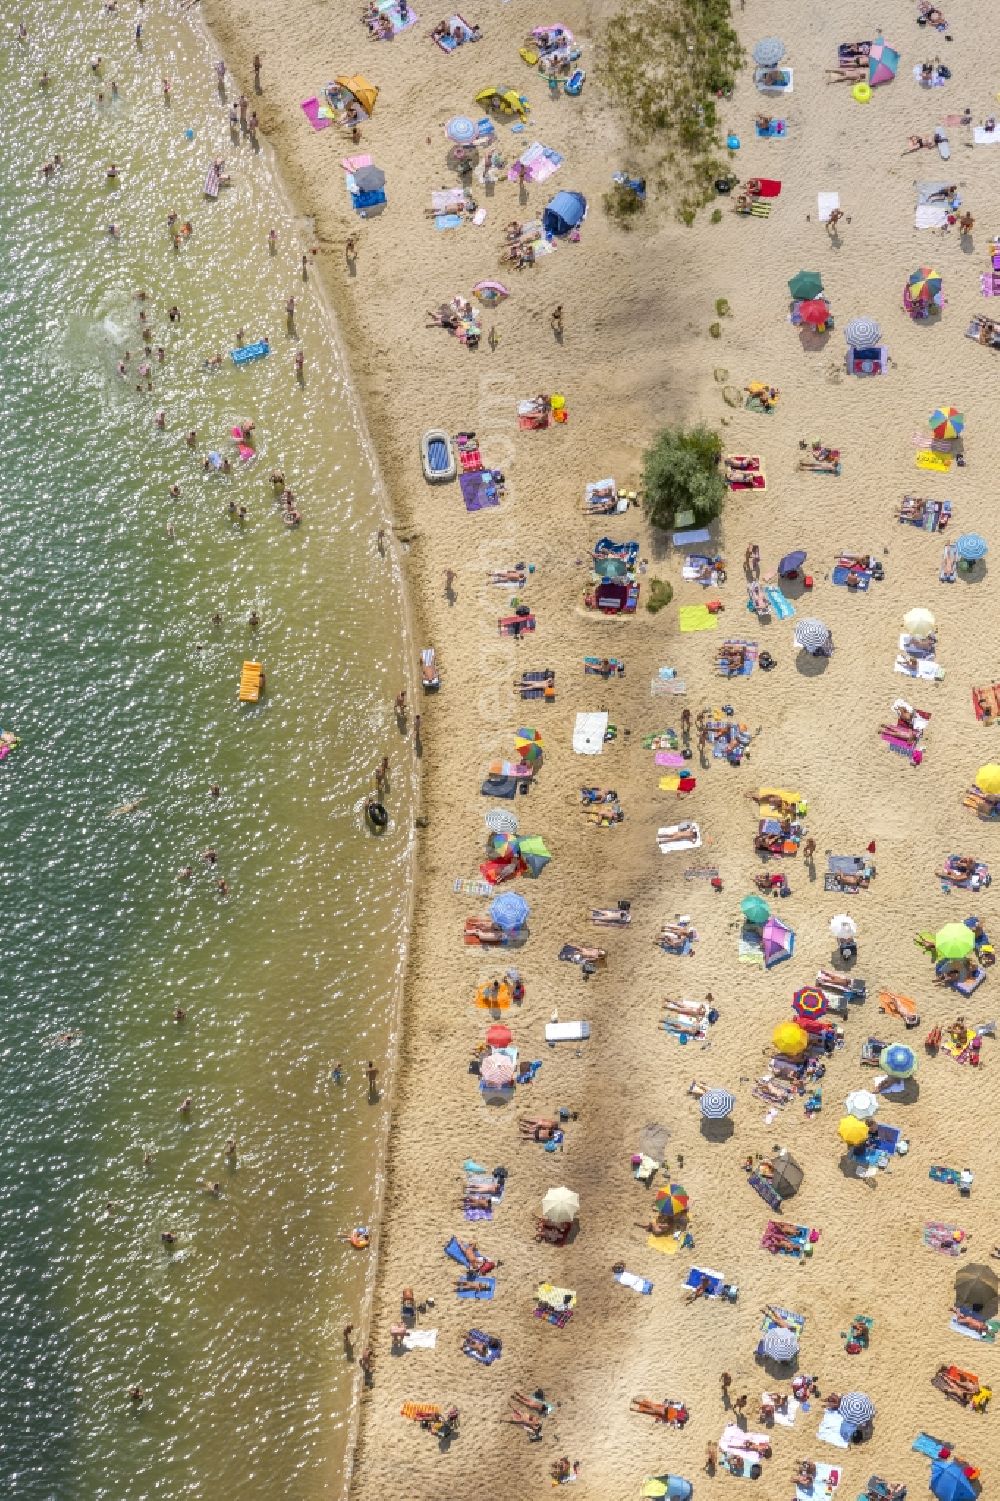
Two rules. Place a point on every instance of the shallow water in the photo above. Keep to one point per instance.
(121, 688)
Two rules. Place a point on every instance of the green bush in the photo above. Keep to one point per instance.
(621, 203)
(722, 307)
(716, 216)
(715, 330)
(680, 472)
(660, 595)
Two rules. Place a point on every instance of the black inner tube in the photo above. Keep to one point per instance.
(377, 815)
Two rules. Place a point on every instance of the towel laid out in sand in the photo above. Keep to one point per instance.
(825, 205)
(930, 216)
(832, 1430)
(420, 1339)
(937, 463)
(637, 1284)
(774, 80)
(537, 164)
(588, 734)
(983, 137)
(567, 1031)
(696, 618)
(825, 1483)
(678, 836)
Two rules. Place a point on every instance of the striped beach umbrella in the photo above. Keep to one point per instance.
(855, 1407)
(509, 911)
(672, 1200)
(461, 130)
(497, 1071)
(862, 333)
(898, 1060)
(780, 1344)
(946, 422)
(970, 547)
(499, 821)
(768, 52)
(810, 1001)
(812, 635)
(717, 1104)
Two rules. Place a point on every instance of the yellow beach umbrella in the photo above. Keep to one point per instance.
(791, 1039)
(988, 779)
(853, 1131)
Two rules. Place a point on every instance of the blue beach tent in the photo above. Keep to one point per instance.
(564, 212)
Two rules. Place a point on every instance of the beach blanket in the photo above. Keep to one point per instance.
(773, 130)
(825, 205)
(947, 1240)
(781, 607)
(926, 671)
(479, 489)
(539, 163)
(861, 579)
(420, 1339)
(588, 734)
(930, 216)
(391, 10)
(832, 1429)
(988, 1334)
(781, 80)
(983, 137)
(319, 115)
(459, 32)
(827, 1480)
(937, 463)
(696, 618)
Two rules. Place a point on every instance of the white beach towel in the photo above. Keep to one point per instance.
(831, 1430)
(787, 1418)
(566, 1031)
(668, 846)
(825, 205)
(983, 137)
(828, 1477)
(588, 734)
(930, 216)
(929, 671)
(420, 1339)
(637, 1284)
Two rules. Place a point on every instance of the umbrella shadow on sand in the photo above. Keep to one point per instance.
(908, 1095)
(809, 666)
(717, 1131)
(972, 576)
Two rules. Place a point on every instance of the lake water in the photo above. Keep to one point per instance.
(122, 688)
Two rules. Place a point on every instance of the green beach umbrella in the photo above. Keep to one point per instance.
(954, 941)
(806, 284)
(755, 910)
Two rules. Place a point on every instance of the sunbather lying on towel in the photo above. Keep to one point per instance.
(697, 1009)
(960, 1386)
(679, 835)
(534, 1128)
(959, 867)
(531, 1425)
(674, 1413)
(475, 1343)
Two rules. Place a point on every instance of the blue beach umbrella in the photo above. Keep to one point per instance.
(970, 547)
(717, 1104)
(768, 52)
(461, 130)
(855, 1407)
(899, 1060)
(791, 563)
(949, 1483)
(509, 911)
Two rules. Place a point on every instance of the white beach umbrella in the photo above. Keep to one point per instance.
(499, 821)
(561, 1206)
(919, 621)
(717, 1104)
(862, 1104)
(843, 927)
(812, 635)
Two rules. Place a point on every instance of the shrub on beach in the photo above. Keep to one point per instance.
(666, 67)
(680, 472)
(660, 594)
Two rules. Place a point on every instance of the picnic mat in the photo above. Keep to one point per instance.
(696, 618)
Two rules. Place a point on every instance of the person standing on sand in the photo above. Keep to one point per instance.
(725, 1382)
(556, 320)
(256, 73)
(351, 251)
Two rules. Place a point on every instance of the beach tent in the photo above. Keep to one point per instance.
(948, 1482)
(777, 942)
(976, 1287)
(786, 1175)
(360, 89)
(883, 61)
(503, 99)
(564, 212)
(667, 1488)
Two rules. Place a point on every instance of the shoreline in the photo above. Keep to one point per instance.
(636, 353)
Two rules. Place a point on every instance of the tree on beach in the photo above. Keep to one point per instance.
(680, 472)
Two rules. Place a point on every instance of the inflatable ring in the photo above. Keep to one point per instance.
(377, 815)
(862, 92)
(359, 1237)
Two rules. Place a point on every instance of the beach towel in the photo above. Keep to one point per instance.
(539, 163)
(986, 1335)
(825, 205)
(588, 734)
(937, 463)
(781, 607)
(318, 115)
(483, 1293)
(637, 1284)
(861, 580)
(567, 1031)
(983, 137)
(698, 1275)
(930, 216)
(947, 1240)
(479, 489)
(927, 671)
(420, 1339)
(390, 8)
(831, 1430)
(782, 84)
(667, 1245)
(696, 618)
(773, 130)
(827, 1480)
(930, 1447)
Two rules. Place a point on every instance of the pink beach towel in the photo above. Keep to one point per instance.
(311, 109)
(669, 758)
(352, 163)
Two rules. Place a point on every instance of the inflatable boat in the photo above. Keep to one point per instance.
(437, 455)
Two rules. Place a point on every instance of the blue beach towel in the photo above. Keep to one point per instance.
(781, 607)
(482, 1294)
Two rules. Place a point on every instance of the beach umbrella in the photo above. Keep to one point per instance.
(862, 333)
(853, 1131)
(529, 752)
(954, 940)
(948, 1482)
(671, 1200)
(369, 179)
(924, 283)
(504, 846)
(919, 621)
(497, 1071)
(988, 779)
(528, 735)
(814, 311)
(843, 928)
(883, 61)
(898, 1060)
(786, 1175)
(861, 1103)
(776, 941)
(499, 821)
(791, 563)
(717, 1104)
(810, 1001)
(946, 422)
(490, 292)
(509, 911)
(755, 910)
(535, 854)
(970, 547)
(769, 52)
(461, 129)
(561, 1206)
(855, 1407)
(805, 284)
(667, 1488)
(780, 1344)
(976, 1286)
(812, 636)
(790, 1039)
(499, 1036)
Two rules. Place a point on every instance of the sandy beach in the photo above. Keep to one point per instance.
(634, 354)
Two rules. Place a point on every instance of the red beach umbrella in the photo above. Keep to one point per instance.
(809, 1001)
(499, 1036)
(814, 311)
